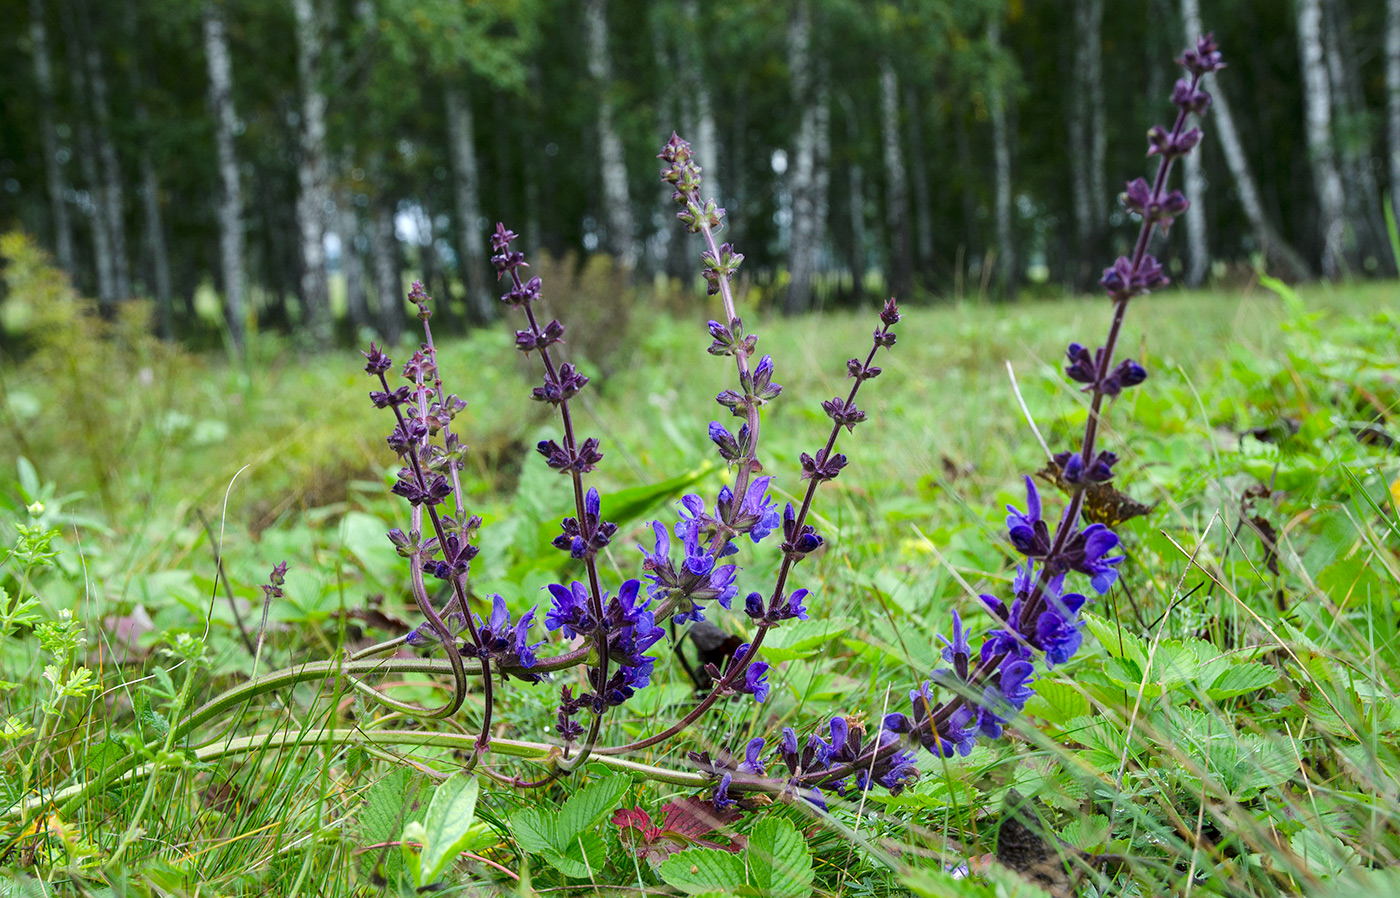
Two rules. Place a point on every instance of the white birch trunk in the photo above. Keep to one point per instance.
(1087, 132)
(466, 194)
(616, 198)
(114, 203)
(855, 187)
(923, 197)
(384, 249)
(821, 166)
(1001, 153)
(312, 194)
(1222, 126)
(1317, 108)
(896, 184)
(103, 263)
(230, 188)
(48, 135)
(1354, 143)
(800, 249)
(706, 131)
(1392, 96)
(158, 276)
(352, 264)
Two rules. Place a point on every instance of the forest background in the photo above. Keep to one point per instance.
(287, 164)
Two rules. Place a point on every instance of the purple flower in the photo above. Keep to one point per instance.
(509, 645)
(1029, 534)
(753, 754)
(569, 610)
(957, 650)
(1057, 632)
(755, 676)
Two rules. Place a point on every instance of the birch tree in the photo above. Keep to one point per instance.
(103, 263)
(616, 197)
(1088, 129)
(113, 205)
(230, 208)
(1272, 243)
(1392, 99)
(1317, 125)
(802, 248)
(466, 183)
(48, 136)
(896, 184)
(1007, 270)
(312, 189)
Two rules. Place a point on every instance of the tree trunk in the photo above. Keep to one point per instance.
(1392, 93)
(230, 188)
(616, 199)
(855, 190)
(384, 248)
(706, 131)
(1354, 138)
(114, 203)
(801, 249)
(821, 169)
(352, 264)
(48, 135)
(1271, 242)
(1001, 153)
(311, 176)
(158, 276)
(103, 263)
(466, 183)
(923, 198)
(896, 185)
(1317, 107)
(1087, 138)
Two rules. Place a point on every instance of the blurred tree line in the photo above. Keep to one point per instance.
(268, 148)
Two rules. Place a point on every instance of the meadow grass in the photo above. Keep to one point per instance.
(1229, 730)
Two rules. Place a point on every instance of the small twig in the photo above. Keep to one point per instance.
(222, 576)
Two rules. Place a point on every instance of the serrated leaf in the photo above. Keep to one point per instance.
(1057, 702)
(534, 830)
(780, 864)
(800, 640)
(1242, 678)
(582, 859)
(1117, 642)
(587, 806)
(1087, 833)
(448, 824)
(703, 870)
(390, 805)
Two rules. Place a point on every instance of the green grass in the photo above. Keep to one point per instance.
(1228, 730)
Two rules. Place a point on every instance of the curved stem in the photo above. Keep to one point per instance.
(537, 752)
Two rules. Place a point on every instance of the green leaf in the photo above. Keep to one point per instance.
(587, 806)
(1057, 701)
(1242, 678)
(534, 830)
(780, 863)
(703, 870)
(800, 640)
(448, 824)
(1116, 641)
(581, 859)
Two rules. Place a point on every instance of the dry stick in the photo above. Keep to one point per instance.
(222, 576)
